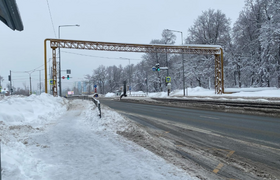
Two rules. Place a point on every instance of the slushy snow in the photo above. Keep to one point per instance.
(50, 138)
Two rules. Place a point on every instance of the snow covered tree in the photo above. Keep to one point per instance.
(114, 77)
(157, 79)
(213, 28)
(256, 42)
(100, 76)
(269, 39)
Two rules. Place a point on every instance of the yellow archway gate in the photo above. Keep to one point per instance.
(215, 50)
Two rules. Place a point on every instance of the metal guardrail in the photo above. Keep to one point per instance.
(97, 103)
(86, 97)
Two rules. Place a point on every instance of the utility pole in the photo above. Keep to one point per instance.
(166, 63)
(59, 71)
(30, 84)
(129, 78)
(11, 88)
(40, 80)
(158, 72)
(182, 61)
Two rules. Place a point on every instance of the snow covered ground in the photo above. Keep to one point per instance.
(198, 91)
(43, 137)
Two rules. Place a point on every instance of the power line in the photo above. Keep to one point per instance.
(51, 18)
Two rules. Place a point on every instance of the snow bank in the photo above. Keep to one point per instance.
(110, 95)
(33, 110)
(19, 117)
(241, 92)
(46, 137)
(158, 94)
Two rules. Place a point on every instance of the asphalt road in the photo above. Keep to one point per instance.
(263, 132)
(260, 129)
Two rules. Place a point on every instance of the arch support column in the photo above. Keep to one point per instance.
(54, 88)
(218, 74)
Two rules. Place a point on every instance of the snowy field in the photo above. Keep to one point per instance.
(198, 91)
(48, 138)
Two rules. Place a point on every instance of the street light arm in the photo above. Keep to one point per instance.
(126, 59)
(178, 32)
(174, 30)
(69, 25)
(65, 26)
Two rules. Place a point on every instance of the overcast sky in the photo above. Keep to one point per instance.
(127, 21)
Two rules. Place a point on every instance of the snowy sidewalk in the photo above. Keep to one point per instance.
(74, 147)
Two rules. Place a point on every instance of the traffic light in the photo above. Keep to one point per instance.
(157, 67)
(9, 77)
(68, 77)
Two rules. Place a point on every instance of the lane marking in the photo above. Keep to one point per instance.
(160, 135)
(209, 117)
(230, 153)
(217, 169)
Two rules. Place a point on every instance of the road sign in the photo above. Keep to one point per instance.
(168, 79)
(63, 77)
(154, 68)
(68, 71)
(52, 82)
(95, 85)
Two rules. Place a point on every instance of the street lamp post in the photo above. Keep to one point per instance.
(59, 73)
(129, 73)
(30, 86)
(182, 60)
